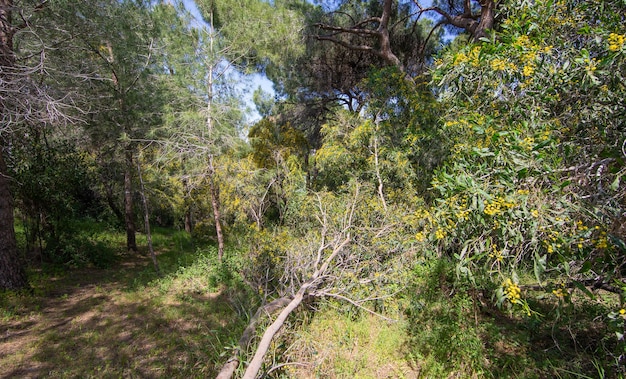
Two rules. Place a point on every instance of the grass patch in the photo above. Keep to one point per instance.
(332, 344)
(124, 321)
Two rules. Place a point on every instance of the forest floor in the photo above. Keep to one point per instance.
(125, 321)
(121, 321)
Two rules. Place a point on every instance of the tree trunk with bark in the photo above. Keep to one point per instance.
(129, 214)
(215, 203)
(12, 273)
(146, 219)
(188, 218)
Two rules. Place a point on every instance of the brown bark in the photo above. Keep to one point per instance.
(146, 219)
(215, 203)
(108, 190)
(487, 19)
(381, 34)
(129, 214)
(7, 56)
(476, 25)
(188, 219)
(12, 273)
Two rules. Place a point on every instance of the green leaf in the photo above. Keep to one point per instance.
(541, 145)
(566, 267)
(615, 185)
(484, 152)
(540, 266)
(586, 267)
(583, 289)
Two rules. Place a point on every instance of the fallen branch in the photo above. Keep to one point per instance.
(270, 332)
(323, 259)
(231, 365)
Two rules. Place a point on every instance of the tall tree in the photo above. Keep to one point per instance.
(208, 126)
(392, 31)
(122, 75)
(226, 42)
(343, 47)
(25, 100)
(12, 274)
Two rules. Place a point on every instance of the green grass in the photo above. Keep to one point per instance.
(343, 345)
(124, 320)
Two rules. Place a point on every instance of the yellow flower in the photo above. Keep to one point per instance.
(512, 291)
(529, 70)
(592, 64)
(440, 234)
(622, 311)
(528, 143)
(498, 64)
(616, 41)
(602, 243)
(460, 58)
(522, 41)
(474, 56)
(530, 56)
(496, 254)
(420, 237)
(534, 213)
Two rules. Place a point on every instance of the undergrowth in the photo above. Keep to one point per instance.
(456, 331)
(125, 320)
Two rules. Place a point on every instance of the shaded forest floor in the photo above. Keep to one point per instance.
(121, 321)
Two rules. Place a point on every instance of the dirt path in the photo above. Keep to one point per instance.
(62, 302)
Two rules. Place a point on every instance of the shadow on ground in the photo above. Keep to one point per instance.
(90, 323)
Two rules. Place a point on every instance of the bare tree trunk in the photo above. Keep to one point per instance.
(318, 278)
(12, 273)
(381, 192)
(129, 214)
(270, 332)
(213, 188)
(215, 203)
(188, 218)
(477, 27)
(487, 19)
(188, 221)
(108, 190)
(231, 365)
(382, 47)
(147, 221)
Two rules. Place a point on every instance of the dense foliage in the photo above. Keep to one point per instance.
(395, 167)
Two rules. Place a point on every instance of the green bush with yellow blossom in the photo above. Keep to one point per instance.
(533, 184)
